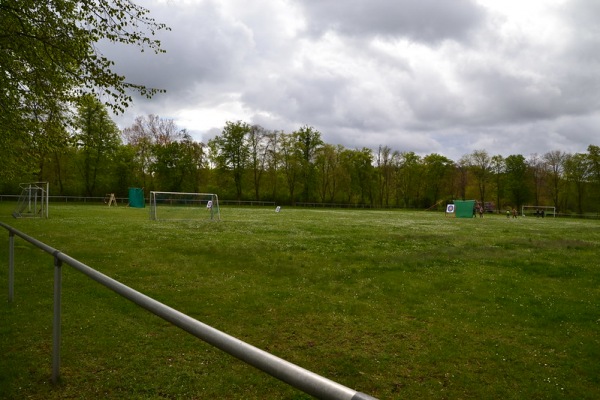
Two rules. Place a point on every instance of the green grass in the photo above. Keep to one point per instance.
(394, 304)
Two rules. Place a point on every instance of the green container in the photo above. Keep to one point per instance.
(464, 208)
(136, 198)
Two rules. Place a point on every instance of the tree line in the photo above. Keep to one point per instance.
(250, 163)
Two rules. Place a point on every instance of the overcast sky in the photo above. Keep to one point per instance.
(429, 76)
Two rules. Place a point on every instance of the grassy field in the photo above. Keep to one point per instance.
(390, 303)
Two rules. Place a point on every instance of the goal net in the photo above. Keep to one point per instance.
(184, 206)
(538, 211)
(33, 201)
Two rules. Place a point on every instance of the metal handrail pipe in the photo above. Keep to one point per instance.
(294, 375)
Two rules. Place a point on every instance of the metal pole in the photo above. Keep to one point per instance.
(11, 267)
(285, 371)
(56, 320)
(47, 198)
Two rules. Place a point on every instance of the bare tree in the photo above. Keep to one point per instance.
(384, 173)
(555, 166)
(258, 143)
(577, 171)
(481, 164)
(498, 167)
(462, 166)
(538, 173)
(146, 133)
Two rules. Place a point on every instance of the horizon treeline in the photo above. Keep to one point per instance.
(250, 163)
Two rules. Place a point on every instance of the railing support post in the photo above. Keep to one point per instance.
(11, 266)
(56, 319)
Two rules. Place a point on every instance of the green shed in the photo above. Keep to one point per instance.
(464, 208)
(136, 198)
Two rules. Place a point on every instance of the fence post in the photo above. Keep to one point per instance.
(56, 319)
(11, 266)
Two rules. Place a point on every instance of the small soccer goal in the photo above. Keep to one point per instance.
(184, 206)
(538, 211)
(33, 201)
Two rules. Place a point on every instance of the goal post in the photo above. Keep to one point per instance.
(184, 206)
(538, 211)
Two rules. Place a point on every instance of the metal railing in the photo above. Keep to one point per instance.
(283, 370)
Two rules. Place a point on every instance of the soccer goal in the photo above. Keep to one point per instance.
(538, 211)
(184, 206)
(33, 201)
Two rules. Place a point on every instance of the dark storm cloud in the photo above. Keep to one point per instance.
(202, 49)
(581, 54)
(422, 21)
